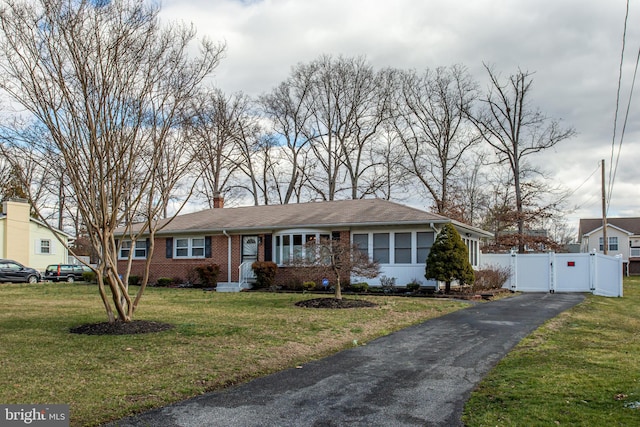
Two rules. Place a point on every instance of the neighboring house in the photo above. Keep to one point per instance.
(623, 236)
(397, 236)
(28, 240)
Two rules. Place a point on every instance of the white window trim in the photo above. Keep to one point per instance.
(278, 252)
(473, 248)
(122, 247)
(610, 239)
(38, 247)
(392, 245)
(190, 247)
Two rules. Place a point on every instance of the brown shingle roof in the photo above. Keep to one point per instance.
(343, 213)
(631, 225)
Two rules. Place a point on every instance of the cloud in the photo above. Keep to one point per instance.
(572, 46)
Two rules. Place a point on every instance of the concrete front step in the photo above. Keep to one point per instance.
(232, 286)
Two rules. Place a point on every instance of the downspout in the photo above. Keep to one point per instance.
(228, 255)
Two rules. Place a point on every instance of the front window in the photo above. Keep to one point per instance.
(197, 247)
(189, 247)
(294, 246)
(613, 243)
(45, 246)
(297, 247)
(381, 247)
(472, 250)
(362, 242)
(140, 250)
(403, 248)
(424, 242)
(406, 247)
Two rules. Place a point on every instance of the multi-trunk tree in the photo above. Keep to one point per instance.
(111, 86)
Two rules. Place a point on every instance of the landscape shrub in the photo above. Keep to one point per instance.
(293, 284)
(89, 277)
(388, 284)
(413, 286)
(359, 287)
(491, 277)
(134, 280)
(164, 282)
(309, 285)
(207, 275)
(265, 274)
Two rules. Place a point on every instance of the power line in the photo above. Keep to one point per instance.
(615, 116)
(624, 127)
(585, 181)
(613, 168)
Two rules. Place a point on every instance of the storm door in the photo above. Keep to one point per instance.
(249, 248)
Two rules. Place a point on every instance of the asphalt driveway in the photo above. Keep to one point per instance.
(419, 376)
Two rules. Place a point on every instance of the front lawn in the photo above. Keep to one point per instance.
(219, 339)
(581, 368)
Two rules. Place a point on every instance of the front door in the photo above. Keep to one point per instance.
(249, 248)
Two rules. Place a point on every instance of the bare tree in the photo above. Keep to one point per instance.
(289, 108)
(468, 193)
(110, 85)
(11, 185)
(216, 129)
(432, 124)
(498, 205)
(350, 102)
(516, 130)
(24, 178)
(338, 259)
(386, 177)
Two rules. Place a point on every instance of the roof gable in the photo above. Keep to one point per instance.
(629, 225)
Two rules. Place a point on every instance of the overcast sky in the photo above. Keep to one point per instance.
(573, 46)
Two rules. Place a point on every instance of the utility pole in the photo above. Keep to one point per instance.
(605, 242)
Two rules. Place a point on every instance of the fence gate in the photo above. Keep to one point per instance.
(551, 272)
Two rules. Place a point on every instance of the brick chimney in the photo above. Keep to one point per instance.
(218, 200)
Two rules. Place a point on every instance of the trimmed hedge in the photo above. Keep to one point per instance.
(207, 275)
(265, 273)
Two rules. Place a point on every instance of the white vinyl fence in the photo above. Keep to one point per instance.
(551, 272)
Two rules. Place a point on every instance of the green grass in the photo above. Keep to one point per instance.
(218, 340)
(580, 369)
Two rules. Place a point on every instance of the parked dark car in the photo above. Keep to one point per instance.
(63, 272)
(13, 271)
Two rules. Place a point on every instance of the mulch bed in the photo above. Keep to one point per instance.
(121, 328)
(335, 303)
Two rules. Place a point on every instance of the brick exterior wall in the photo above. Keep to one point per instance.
(183, 269)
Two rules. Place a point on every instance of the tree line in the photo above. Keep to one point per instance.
(109, 120)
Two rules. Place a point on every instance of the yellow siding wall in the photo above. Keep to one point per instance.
(16, 233)
(2, 240)
(57, 252)
(21, 237)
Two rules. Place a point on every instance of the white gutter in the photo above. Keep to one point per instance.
(228, 255)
